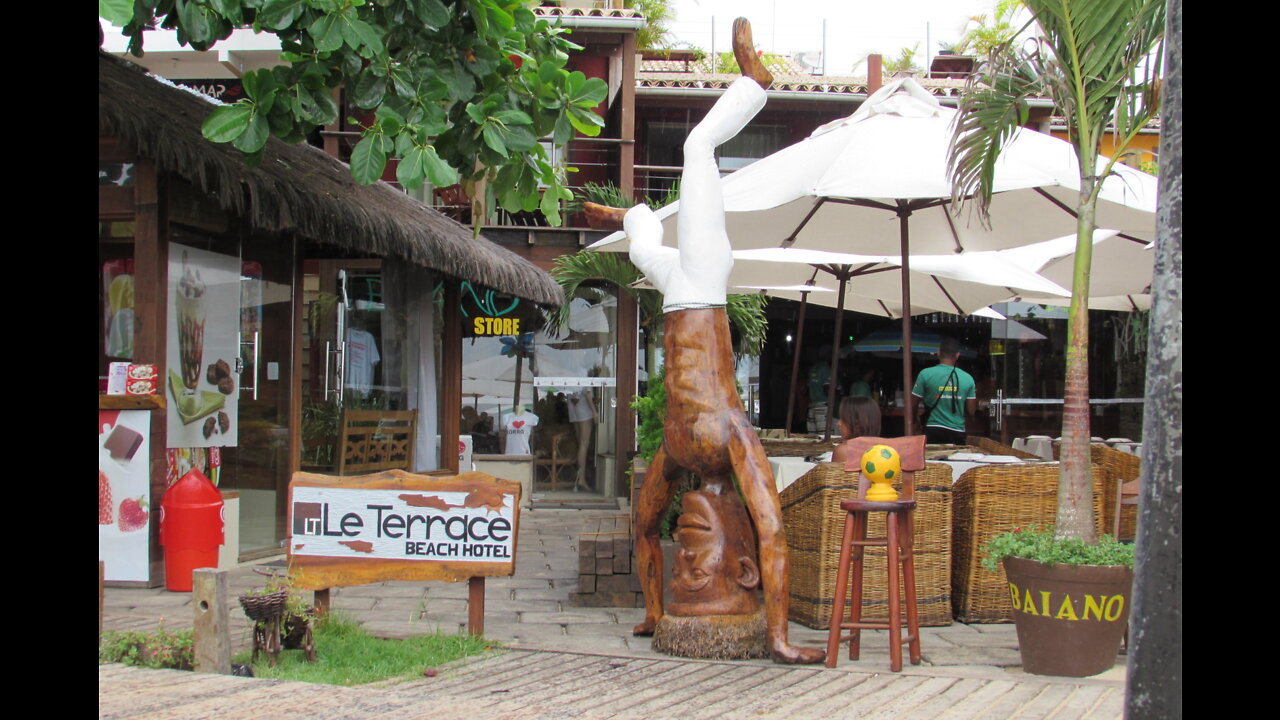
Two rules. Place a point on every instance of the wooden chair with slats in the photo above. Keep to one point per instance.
(373, 440)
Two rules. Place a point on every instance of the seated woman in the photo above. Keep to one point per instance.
(859, 417)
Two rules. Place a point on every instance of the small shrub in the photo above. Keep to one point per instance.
(1040, 544)
(159, 648)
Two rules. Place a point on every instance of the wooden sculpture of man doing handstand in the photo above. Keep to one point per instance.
(707, 432)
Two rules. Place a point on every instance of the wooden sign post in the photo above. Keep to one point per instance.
(395, 525)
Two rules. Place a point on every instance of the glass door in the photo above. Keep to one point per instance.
(258, 466)
(371, 341)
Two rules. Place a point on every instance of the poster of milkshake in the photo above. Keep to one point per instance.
(124, 513)
(203, 347)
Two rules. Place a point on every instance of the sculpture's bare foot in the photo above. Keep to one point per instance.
(605, 217)
(787, 653)
(744, 51)
(646, 627)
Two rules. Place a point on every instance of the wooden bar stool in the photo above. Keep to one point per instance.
(898, 541)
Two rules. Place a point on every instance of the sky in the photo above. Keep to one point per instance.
(854, 28)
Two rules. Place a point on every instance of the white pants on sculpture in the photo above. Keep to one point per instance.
(696, 275)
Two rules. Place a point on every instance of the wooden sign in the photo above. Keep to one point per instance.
(395, 525)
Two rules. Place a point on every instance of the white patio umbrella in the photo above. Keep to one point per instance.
(961, 284)
(877, 183)
(1120, 278)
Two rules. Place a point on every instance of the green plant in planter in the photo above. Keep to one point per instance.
(1041, 544)
(159, 648)
(605, 193)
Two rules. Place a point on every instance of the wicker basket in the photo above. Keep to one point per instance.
(990, 500)
(815, 527)
(261, 608)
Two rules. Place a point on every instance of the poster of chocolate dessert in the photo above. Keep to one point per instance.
(124, 510)
(203, 346)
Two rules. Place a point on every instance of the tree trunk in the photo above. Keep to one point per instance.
(1154, 689)
(1075, 488)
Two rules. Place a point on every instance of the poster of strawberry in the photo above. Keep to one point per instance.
(124, 510)
(203, 348)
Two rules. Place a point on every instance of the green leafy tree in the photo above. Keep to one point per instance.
(1100, 62)
(457, 90)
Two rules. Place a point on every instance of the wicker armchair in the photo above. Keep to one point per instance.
(993, 447)
(994, 499)
(1120, 467)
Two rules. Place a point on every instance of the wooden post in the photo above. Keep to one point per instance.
(212, 622)
(451, 371)
(475, 606)
(321, 601)
(101, 575)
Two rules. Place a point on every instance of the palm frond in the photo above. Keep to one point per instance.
(1109, 55)
(746, 315)
(1098, 61)
(572, 271)
(991, 111)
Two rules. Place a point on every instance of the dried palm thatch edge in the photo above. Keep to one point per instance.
(301, 189)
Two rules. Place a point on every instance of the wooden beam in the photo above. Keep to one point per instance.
(451, 374)
(627, 118)
(151, 273)
(475, 606)
(624, 417)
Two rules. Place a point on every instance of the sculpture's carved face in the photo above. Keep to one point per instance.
(715, 570)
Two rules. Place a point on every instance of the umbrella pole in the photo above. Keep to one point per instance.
(795, 362)
(515, 401)
(834, 381)
(908, 422)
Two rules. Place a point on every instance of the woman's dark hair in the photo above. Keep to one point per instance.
(861, 416)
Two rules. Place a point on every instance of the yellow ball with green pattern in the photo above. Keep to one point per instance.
(881, 464)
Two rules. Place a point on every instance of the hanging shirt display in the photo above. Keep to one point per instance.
(519, 428)
(362, 356)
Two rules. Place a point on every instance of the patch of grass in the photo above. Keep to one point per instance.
(348, 655)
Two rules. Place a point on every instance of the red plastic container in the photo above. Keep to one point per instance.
(191, 529)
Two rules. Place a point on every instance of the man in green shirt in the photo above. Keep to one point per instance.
(945, 395)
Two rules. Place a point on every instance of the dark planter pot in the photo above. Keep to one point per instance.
(1070, 620)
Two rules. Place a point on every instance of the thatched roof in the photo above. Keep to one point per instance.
(300, 189)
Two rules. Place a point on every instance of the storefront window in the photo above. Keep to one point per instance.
(372, 340)
(116, 319)
(533, 385)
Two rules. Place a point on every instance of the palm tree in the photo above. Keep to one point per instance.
(1099, 61)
